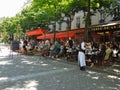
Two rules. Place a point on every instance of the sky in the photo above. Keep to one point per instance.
(9, 8)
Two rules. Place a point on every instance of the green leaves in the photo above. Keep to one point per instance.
(41, 12)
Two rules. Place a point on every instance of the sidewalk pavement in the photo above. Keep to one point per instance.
(113, 69)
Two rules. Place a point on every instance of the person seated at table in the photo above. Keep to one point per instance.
(97, 56)
(67, 47)
(31, 45)
(55, 49)
(108, 52)
(37, 49)
(91, 60)
(71, 42)
(25, 43)
(88, 50)
(115, 52)
(100, 54)
(61, 52)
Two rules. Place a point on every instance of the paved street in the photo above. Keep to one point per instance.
(35, 73)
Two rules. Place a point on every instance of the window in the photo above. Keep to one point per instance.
(78, 22)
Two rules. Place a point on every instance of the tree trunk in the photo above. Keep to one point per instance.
(87, 23)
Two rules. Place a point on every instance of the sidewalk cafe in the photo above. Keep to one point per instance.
(99, 32)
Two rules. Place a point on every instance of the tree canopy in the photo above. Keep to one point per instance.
(41, 12)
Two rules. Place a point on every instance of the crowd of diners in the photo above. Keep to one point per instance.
(95, 52)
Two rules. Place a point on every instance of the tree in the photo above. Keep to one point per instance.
(41, 12)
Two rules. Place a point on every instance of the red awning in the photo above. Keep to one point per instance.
(46, 36)
(65, 36)
(62, 34)
(58, 35)
(41, 37)
(36, 32)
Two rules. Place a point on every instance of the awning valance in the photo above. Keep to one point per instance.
(46, 36)
(36, 32)
(112, 26)
(62, 34)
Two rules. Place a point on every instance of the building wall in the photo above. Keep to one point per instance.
(95, 20)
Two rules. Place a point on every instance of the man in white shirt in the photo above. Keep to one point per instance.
(82, 46)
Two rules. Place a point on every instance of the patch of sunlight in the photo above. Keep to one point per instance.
(29, 85)
(116, 65)
(32, 83)
(91, 72)
(88, 75)
(27, 62)
(44, 64)
(95, 77)
(23, 59)
(116, 70)
(114, 77)
(118, 85)
(6, 53)
(112, 88)
(54, 67)
(102, 87)
(17, 88)
(3, 78)
(65, 68)
(41, 62)
(58, 59)
(5, 63)
(33, 56)
(57, 81)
